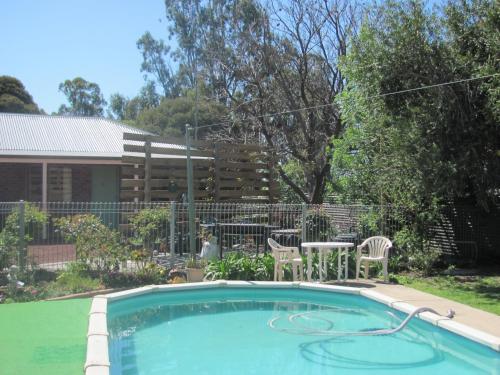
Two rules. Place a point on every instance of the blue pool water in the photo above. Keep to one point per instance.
(226, 331)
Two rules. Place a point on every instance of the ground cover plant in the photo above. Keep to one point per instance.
(482, 292)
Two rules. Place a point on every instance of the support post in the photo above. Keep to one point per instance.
(192, 225)
(217, 172)
(147, 172)
(172, 227)
(45, 193)
(22, 244)
(304, 218)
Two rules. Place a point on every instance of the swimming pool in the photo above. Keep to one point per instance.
(266, 330)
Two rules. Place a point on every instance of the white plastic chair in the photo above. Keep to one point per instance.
(286, 255)
(378, 251)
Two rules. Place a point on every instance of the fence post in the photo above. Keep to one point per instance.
(172, 227)
(304, 218)
(22, 245)
(147, 172)
(191, 209)
(216, 172)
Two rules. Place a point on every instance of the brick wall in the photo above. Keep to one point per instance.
(24, 181)
(20, 181)
(81, 183)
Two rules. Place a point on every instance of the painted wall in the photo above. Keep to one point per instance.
(105, 183)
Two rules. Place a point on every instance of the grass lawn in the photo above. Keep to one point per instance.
(482, 292)
(44, 338)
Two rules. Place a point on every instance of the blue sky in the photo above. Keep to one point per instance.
(46, 42)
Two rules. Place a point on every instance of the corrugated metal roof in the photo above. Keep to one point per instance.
(63, 136)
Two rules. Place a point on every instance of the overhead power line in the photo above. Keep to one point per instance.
(369, 97)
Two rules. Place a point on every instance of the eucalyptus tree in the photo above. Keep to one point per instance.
(259, 59)
(84, 98)
(288, 67)
(156, 64)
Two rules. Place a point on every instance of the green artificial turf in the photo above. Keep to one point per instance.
(43, 338)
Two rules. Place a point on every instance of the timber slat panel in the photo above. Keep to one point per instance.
(242, 183)
(239, 165)
(126, 159)
(248, 175)
(245, 200)
(242, 157)
(240, 193)
(131, 194)
(165, 151)
(241, 147)
(168, 173)
(165, 162)
(155, 183)
(224, 172)
(159, 139)
(131, 171)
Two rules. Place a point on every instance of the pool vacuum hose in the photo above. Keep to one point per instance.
(303, 330)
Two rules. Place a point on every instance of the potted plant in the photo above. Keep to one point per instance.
(195, 270)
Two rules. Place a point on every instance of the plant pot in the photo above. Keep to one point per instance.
(194, 275)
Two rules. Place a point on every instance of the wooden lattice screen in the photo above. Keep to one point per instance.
(222, 172)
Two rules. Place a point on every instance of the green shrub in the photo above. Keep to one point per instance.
(414, 252)
(318, 225)
(75, 283)
(151, 273)
(9, 236)
(238, 266)
(150, 226)
(96, 244)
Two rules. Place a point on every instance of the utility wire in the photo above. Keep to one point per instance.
(369, 97)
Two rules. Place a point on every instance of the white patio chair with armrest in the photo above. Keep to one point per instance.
(286, 255)
(378, 251)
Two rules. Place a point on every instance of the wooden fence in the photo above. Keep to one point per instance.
(155, 170)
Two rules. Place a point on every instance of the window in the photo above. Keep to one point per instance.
(59, 184)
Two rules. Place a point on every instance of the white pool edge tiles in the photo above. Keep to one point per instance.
(437, 320)
(97, 362)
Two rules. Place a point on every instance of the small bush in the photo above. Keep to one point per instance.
(96, 244)
(318, 225)
(75, 283)
(151, 273)
(151, 228)
(237, 266)
(414, 253)
(9, 236)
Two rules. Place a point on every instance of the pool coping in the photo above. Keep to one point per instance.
(97, 360)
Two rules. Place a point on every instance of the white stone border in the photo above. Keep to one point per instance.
(97, 362)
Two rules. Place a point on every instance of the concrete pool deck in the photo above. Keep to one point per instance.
(467, 315)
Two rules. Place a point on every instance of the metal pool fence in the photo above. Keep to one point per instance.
(52, 234)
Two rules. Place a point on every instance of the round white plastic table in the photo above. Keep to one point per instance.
(323, 248)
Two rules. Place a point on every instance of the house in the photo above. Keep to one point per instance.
(60, 158)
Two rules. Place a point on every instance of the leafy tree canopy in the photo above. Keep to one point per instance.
(14, 98)
(423, 148)
(84, 98)
(171, 116)
(258, 59)
(155, 64)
